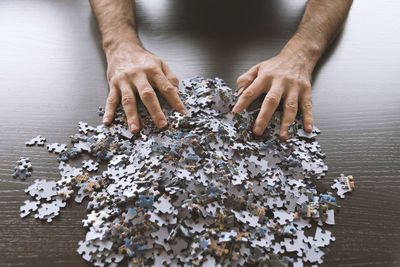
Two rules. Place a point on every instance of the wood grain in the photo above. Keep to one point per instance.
(52, 75)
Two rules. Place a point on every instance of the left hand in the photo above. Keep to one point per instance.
(286, 76)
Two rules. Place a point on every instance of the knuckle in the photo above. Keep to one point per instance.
(111, 100)
(291, 105)
(289, 80)
(116, 78)
(122, 78)
(169, 89)
(113, 82)
(147, 93)
(306, 85)
(156, 75)
(242, 78)
(174, 80)
(132, 72)
(151, 68)
(127, 100)
(272, 99)
(306, 104)
(295, 81)
(249, 93)
(265, 77)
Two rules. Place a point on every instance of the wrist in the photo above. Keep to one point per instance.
(121, 37)
(306, 52)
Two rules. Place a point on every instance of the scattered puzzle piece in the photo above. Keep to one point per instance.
(343, 185)
(28, 207)
(90, 165)
(38, 140)
(23, 169)
(56, 148)
(203, 192)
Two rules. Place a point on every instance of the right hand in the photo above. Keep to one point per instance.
(132, 69)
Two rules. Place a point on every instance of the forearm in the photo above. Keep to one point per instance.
(116, 22)
(131, 69)
(321, 23)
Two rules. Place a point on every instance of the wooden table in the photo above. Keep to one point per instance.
(52, 75)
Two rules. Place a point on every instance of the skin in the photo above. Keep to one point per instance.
(287, 76)
(132, 70)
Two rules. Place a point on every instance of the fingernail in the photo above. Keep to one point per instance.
(257, 130)
(285, 134)
(162, 123)
(240, 90)
(309, 127)
(105, 120)
(182, 111)
(134, 128)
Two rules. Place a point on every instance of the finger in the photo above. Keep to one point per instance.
(130, 106)
(149, 99)
(289, 112)
(240, 91)
(169, 92)
(268, 107)
(250, 94)
(246, 79)
(170, 75)
(111, 105)
(306, 109)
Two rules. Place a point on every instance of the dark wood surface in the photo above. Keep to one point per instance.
(52, 75)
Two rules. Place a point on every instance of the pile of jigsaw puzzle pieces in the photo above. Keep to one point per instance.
(203, 192)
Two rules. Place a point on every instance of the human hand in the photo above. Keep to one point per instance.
(132, 69)
(286, 76)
